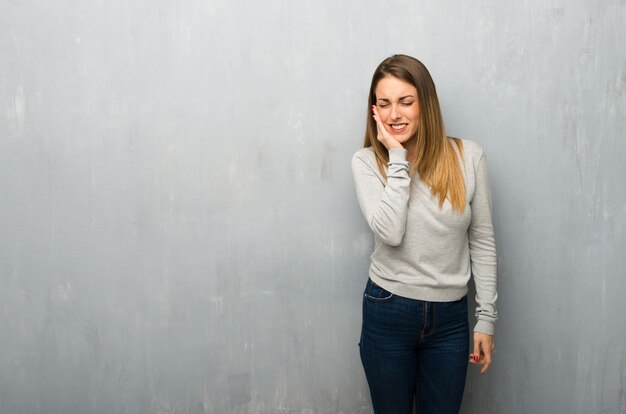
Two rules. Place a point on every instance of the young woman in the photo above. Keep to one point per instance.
(427, 199)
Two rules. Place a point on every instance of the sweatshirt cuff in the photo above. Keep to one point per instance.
(397, 155)
(485, 327)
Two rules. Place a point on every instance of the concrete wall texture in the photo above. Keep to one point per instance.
(179, 231)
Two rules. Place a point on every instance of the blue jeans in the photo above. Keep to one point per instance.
(412, 349)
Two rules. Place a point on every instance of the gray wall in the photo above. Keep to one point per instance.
(179, 232)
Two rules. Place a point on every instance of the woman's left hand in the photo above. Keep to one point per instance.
(483, 347)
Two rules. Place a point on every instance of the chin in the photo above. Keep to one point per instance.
(407, 138)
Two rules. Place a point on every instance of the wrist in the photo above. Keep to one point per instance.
(397, 154)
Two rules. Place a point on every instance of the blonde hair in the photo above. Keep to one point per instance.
(435, 158)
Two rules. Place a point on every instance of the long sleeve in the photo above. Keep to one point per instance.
(384, 206)
(482, 249)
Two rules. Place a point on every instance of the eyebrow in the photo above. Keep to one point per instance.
(401, 98)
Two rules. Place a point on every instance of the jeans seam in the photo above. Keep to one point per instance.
(433, 325)
(378, 299)
(424, 320)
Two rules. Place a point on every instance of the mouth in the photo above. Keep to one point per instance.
(398, 128)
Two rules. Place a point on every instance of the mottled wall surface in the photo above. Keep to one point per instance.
(179, 231)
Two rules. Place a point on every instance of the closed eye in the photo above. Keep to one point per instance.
(401, 103)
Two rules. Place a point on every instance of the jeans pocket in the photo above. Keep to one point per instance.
(375, 293)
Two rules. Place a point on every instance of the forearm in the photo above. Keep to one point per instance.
(482, 247)
(384, 205)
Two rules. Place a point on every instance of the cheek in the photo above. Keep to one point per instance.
(415, 124)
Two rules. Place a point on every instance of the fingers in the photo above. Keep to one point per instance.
(379, 127)
(475, 356)
(486, 361)
(485, 367)
(379, 124)
(483, 351)
(486, 349)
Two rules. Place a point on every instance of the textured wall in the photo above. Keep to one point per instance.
(179, 232)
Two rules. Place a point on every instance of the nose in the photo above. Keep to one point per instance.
(395, 112)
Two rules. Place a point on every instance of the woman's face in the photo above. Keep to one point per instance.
(396, 102)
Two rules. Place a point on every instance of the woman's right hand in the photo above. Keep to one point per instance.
(383, 135)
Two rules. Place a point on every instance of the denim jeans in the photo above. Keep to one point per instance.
(412, 349)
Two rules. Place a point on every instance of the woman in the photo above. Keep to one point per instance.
(426, 197)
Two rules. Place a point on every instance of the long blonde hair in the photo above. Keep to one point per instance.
(435, 158)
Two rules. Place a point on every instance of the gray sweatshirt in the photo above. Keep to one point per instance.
(422, 252)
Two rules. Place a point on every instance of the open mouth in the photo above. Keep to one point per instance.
(398, 127)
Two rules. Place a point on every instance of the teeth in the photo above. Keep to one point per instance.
(399, 126)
